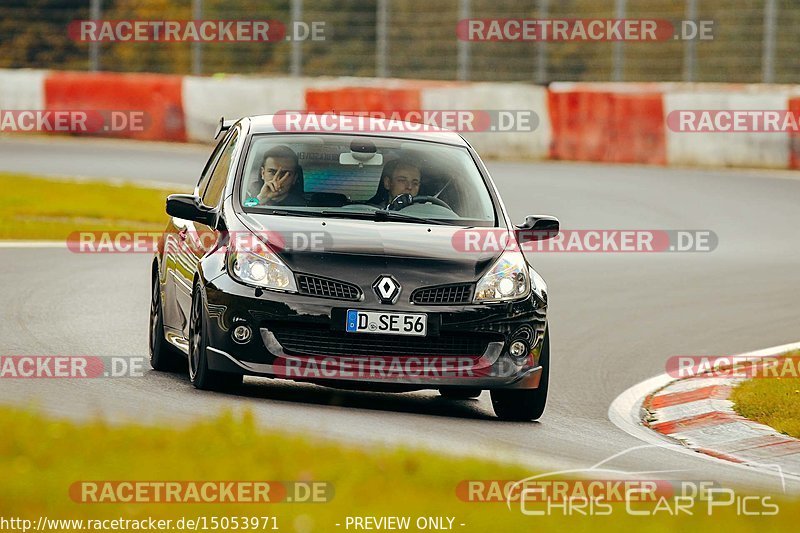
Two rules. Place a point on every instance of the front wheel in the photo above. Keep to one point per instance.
(200, 375)
(527, 404)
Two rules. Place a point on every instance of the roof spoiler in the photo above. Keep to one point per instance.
(223, 126)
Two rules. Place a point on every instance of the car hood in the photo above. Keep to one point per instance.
(359, 251)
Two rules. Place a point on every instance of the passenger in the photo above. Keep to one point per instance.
(282, 179)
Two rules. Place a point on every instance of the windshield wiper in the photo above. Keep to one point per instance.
(395, 216)
(380, 215)
(287, 212)
(318, 214)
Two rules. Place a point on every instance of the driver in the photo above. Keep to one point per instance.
(401, 176)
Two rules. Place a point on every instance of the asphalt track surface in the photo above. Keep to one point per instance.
(615, 319)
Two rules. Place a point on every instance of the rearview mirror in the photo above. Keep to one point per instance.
(362, 152)
(537, 228)
(189, 207)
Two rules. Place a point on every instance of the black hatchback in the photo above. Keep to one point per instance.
(377, 259)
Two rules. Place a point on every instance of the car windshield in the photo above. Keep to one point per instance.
(383, 179)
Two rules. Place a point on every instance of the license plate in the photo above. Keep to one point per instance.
(387, 323)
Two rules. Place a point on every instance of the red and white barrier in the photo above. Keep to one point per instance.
(207, 99)
(516, 98)
(794, 138)
(615, 123)
(604, 122)
(22, 89)
(158, 97)
(726, 149)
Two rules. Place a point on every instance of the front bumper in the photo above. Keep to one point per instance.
(230, 304)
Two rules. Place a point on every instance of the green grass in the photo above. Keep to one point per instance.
(771, 401)
(40, 458)
(39, 208)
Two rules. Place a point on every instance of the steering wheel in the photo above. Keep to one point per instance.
(401, 201)
(431, 200)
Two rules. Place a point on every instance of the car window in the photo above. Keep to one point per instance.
(216, 184)
(361, 174)
(209, 168)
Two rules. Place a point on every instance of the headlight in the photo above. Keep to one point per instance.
(506, 280)
(260, 266)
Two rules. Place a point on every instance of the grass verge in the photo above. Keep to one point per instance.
(771, 401)
(41, 458)
(34, 207)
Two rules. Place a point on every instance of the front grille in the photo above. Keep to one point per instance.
(313, 339)
(327, 288)
(443, 295)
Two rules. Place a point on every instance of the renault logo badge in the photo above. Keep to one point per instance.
(387, 289)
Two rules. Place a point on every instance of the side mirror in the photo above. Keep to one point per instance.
(189, 207)
(537, 228)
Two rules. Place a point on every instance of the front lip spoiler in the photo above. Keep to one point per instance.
(493, 358)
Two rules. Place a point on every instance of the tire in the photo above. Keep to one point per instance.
(201, 376)
(528, 404)
(163, 356)
(458, 393)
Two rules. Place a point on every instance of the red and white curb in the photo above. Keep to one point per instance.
(694, 415)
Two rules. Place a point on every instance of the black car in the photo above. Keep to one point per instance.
(377, 259)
